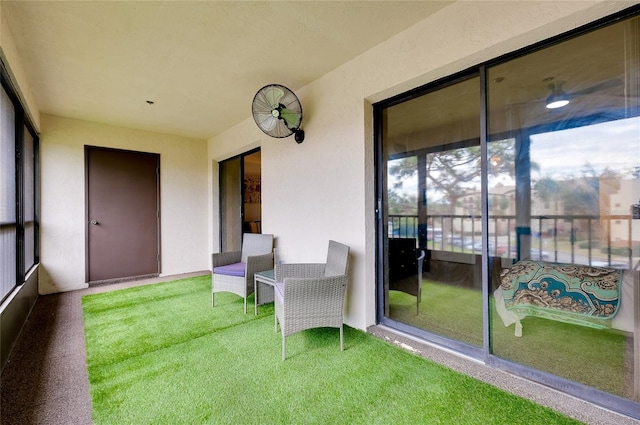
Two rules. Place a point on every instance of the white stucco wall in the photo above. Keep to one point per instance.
(324, 188)
(183, 185)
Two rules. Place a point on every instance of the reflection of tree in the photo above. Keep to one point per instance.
(448, 170)
(452, 177)
(401, 203)
(403, 169)
(449, 173)
(547, 190)
(577, 195)
(499, 203)
(580, 196)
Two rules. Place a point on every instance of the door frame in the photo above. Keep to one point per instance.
(242, 189)
(87, 223)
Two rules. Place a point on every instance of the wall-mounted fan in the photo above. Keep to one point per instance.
(278, 112)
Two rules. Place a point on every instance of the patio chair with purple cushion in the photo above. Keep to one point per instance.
(312, 295)
(233, 271)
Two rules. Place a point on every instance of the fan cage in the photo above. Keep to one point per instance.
(276, 97)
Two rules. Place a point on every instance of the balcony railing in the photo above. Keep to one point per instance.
(581, 239)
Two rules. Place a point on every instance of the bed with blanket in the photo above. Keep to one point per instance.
(570, 293)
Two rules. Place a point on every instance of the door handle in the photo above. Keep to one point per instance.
(94, 222)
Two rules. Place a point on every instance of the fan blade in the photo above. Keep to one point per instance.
(273, 95)
(292, 118)
(266, 121)
(605, 85)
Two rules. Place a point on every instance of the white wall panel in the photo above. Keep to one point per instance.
(183, 185)
(323, 188)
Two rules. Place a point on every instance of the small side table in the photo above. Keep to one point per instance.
(263, 283)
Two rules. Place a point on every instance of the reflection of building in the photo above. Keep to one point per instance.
(617, 196)
(553, 215)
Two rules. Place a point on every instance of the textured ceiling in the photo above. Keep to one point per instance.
(199, 62)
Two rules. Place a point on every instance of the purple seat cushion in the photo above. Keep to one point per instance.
(279, 291)
(235, 269)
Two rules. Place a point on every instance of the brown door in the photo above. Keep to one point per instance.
(122, 213)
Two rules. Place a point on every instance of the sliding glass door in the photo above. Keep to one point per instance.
(571, 114)
(240, 199)
(510, 213)
(433, 212)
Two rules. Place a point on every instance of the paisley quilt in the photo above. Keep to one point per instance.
(571, 293)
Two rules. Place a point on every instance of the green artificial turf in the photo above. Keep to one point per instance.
(594, 357)
(161, 354)
(447, 310)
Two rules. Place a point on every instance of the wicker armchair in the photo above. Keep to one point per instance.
(233, 271)
(312, 295)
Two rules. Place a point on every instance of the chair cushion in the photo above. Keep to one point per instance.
(279, 291)
(235, 269)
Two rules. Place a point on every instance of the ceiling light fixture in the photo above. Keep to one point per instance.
(558, 98)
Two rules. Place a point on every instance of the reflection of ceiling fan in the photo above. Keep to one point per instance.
(277, 112)
(559, 98)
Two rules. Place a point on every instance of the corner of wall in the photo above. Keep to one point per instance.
(13, 65)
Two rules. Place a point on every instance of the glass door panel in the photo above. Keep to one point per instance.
(565, 206)
(240, 199)
(231, 204)
(432, 207)
(252, 193)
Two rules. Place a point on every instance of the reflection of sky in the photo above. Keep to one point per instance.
(613, 144)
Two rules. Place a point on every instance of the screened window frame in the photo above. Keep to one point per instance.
(22, 125)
